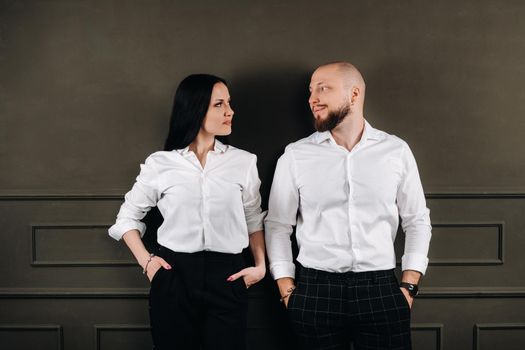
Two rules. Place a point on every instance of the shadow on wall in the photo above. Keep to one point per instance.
(271, 111)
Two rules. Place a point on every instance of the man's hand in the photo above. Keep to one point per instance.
(409, 298)
(285, 284)
(410, 276)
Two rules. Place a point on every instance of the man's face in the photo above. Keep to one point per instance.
(329, 100)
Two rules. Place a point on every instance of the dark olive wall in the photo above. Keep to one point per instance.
(86, 86)
(86, 89)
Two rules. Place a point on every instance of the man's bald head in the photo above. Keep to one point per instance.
(337, 90)
(349, 73)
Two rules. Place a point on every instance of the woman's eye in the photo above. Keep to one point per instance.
(218, 104)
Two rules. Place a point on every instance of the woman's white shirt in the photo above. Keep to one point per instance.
(214, 208)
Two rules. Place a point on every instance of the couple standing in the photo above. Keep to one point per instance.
(344, 188)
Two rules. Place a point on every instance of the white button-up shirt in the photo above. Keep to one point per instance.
(214, 208)
(346, 205)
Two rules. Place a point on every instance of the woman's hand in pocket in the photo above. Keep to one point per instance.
(250, 275)
(155, 265)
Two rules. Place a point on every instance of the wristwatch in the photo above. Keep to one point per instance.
(412, 288)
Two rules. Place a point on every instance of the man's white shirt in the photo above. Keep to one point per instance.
(346, 205)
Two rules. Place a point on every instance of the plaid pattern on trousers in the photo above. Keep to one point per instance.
(333, 310)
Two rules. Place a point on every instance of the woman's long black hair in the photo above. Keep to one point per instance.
(190, 105)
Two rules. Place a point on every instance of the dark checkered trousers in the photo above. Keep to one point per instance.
(333, 310)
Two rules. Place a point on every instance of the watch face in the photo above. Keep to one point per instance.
(412, 288)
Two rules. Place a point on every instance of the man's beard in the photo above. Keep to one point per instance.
(333, 119)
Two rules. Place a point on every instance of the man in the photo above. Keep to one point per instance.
(345, 188)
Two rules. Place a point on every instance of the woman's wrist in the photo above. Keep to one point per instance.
(145, 258)
(261, 268)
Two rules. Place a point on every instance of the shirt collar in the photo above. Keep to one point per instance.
(217, 147)
(369, 133)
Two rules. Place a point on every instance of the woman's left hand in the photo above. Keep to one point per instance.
(250, 275)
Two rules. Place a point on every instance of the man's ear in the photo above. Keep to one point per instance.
(354, 94)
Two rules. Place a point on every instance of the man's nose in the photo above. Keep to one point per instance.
(313, 99)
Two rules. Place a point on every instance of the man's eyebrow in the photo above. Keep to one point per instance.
(318, 83)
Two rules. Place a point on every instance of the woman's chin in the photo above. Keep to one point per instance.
(224, 132)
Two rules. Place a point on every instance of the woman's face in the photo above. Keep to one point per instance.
(218, 119)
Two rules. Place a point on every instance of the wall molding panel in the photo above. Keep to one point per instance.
(101, 329)
(497, 260)
(480, 328)
(40, 229)
(27, 328)
(437, 328)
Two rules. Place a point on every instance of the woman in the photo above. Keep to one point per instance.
(208, 194)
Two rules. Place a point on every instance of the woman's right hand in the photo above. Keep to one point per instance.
(155, 265)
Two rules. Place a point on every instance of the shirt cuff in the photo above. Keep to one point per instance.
(255, 223)
(282, 269)
(118, 230)
(416, 262)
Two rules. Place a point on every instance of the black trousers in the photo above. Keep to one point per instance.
(192, 306)
(333, 310)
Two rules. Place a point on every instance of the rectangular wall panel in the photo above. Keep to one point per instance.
(130, 337)
(427, 336)
(31, 337)
(474, 236)
(467, 244)
(76, 245)
(462, 244)
(499, 336)
(60, 244)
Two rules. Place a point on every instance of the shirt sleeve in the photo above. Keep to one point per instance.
(282, 216)
(251, 199)
(137, 202)
(415, 216)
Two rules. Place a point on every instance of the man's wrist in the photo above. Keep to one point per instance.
(284, 285)
(411, 276)
(412, 288)
(289, 292)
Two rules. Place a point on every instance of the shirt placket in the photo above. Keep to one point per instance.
(204, 210)
(205, 197)
(352, 227)
(204, 200)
